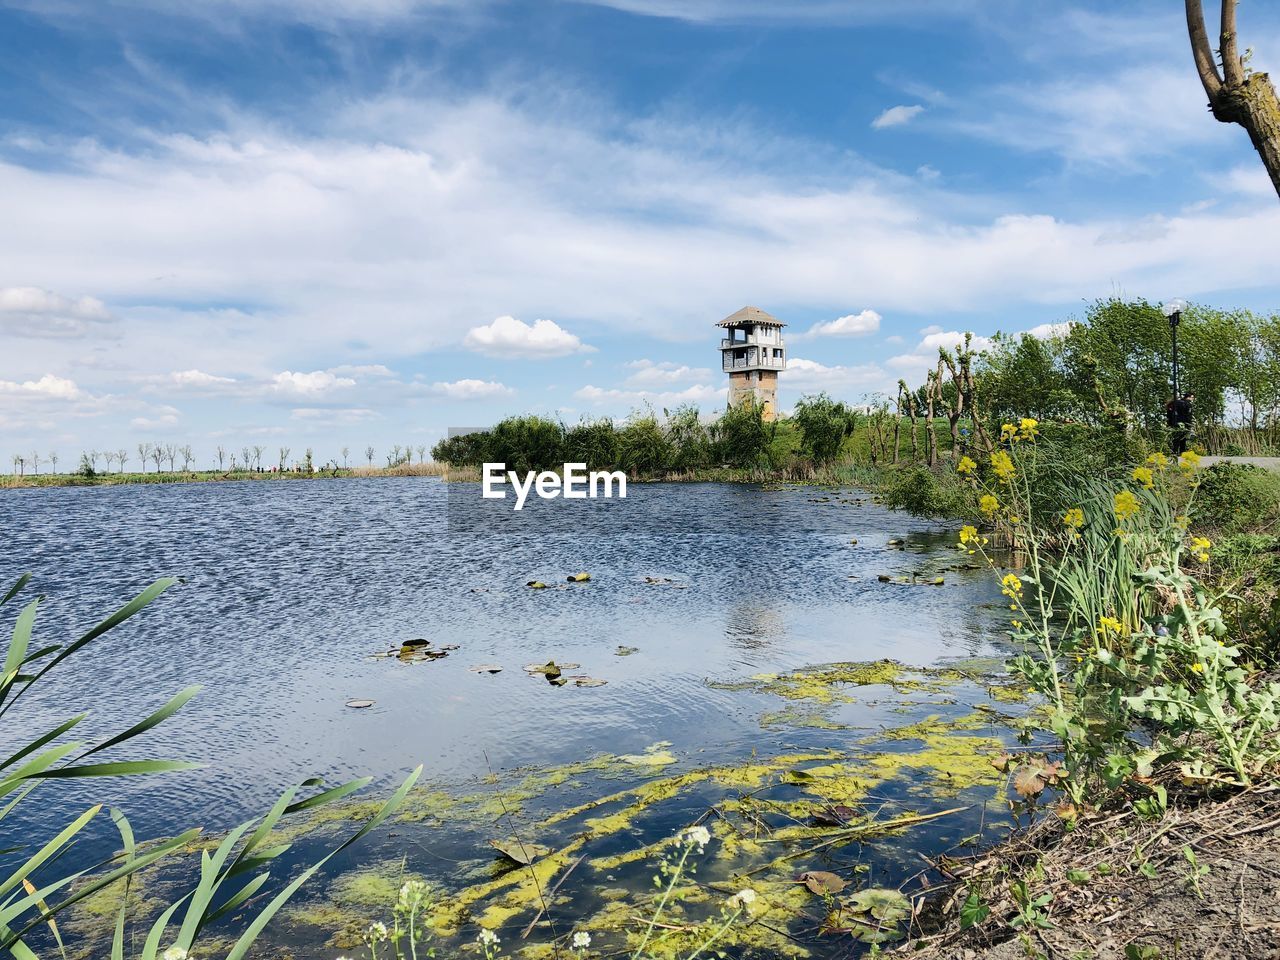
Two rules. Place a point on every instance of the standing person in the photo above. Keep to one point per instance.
(1179, 416)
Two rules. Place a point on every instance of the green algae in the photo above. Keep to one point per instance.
(822, 683)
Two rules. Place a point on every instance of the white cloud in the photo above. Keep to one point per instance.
(331, 416)
(47, 387)
(197, 378)
(509, 337)
(316, 383)
(157, 419)
(1046, 331)
(600, 396)
(649, 373)
(913, 366)
(811, 376)
(850, 325)
(35, 312)
(362, 370)
(927, 173)
(471, 389)
(897, 116)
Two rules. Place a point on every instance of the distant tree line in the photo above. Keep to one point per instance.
(680, 441)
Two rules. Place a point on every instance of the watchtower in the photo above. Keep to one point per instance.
(752, 353)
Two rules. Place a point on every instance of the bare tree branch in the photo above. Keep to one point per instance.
(1232, 67)
(1201, 50)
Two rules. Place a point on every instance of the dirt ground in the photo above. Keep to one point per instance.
(1121, 888)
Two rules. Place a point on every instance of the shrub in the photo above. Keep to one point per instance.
(1235, 498)
(929, 493)
(824, 423)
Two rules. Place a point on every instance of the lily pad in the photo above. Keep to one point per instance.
(521, 851)
(588, 681)
(582, 577)
(625, 651)
(485, 668)
(536, 585)
(834, 815)
(550, 668)
(360, 704)
(821, 882)
(887, 906)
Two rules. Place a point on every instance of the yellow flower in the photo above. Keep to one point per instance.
(1197, 668)
(1110, 625)
(1200, 548)
(1126, 505)
(1073, 518)
(966, 465)
(1014, 520)
(969, 534)
(989, 504)
(1144, 476)
(1027, 428)
(1008, 432)
(1002, 465)
(1182, 522)
(1017, 624)
(1158, 460)
(1012, 586)
(1188, 461)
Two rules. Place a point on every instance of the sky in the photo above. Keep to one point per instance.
(353, 223)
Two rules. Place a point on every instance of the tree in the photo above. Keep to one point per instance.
(422, 452)
(35, 463)
(18, 463)
(53, 461)
(284, 455)
(246, 457)
(144, 451)
(171, 454)
(110, 457)
(258, 451)
(121, 456)
(1237, 94)
(346, 452)
(368, 455)
(187, 457)
(823, 423)
(157, 455)
(221, 451)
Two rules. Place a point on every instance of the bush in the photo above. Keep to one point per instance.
(1236, 498)
(930, 493)
(824, 423)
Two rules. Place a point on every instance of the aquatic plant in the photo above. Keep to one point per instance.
(38, 886)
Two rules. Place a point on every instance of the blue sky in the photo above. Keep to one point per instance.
(349, 222)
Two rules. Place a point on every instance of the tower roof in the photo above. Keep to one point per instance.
(750, 315)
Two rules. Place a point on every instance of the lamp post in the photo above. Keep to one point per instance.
(1173, 310)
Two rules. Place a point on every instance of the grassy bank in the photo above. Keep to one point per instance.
(215, 476)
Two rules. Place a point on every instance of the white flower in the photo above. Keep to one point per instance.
(581, 940)
(377, 932)
(412, 892)
(488, 938)
(743, 898)
(698, 835)
(175, 953)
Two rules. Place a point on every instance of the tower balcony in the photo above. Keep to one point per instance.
(753, 363)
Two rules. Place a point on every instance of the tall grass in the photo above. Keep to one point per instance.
(41, 883)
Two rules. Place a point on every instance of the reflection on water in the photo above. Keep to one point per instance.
(291, 587)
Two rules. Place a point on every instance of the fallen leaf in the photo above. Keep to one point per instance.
(1028, 782)
(485, 668)
(821, 882)
(550, 668)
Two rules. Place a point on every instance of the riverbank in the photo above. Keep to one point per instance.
(1198, 877)
(215, 476)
